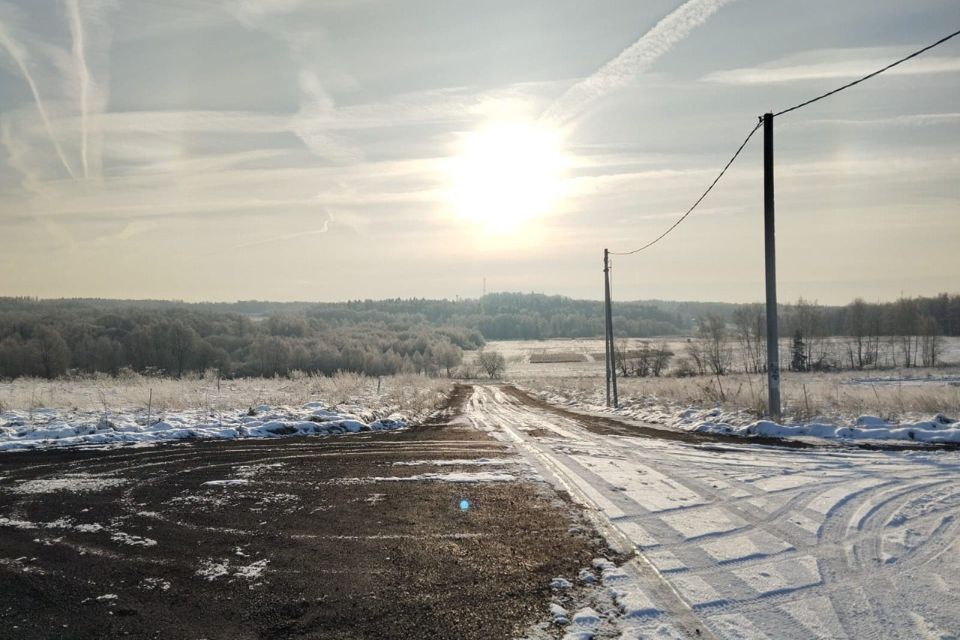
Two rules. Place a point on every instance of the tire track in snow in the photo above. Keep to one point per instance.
(811, 521)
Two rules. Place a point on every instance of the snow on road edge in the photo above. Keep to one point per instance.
(938, 429)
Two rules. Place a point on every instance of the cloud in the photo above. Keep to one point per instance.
(634, 60)
(252, 12)
(19, 55)
(834, 64)
(907, 120)
(130, 230)
(324, 228)
(83, 74)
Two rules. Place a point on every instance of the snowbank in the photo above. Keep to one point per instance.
(51, 428)
(938, 429)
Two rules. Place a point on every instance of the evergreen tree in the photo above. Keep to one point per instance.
(798, 353)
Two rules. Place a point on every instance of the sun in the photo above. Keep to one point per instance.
(506, 174)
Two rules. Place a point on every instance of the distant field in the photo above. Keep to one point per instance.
(557, 358)
(884, 392)
(553, 358)
(565, 357)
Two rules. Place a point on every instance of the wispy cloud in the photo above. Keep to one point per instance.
(834, 64)
(634, 60)
(324, 228)
(83, 74)
(906, 120)
(19, 56)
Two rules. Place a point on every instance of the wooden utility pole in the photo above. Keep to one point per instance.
(608, 326)
(770, 258)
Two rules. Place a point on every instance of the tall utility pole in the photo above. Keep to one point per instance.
(606, 326)
(608, 330)
(770, 258)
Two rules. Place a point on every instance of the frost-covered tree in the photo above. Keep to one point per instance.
(492, 362)
(52, 351)
(447, 355)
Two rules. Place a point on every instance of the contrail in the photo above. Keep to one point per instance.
(76, 30)
(15, 53)
(633, 60)
(289, 236)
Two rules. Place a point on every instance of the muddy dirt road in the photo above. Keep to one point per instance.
(360, 536)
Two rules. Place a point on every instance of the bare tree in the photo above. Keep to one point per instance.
(809, 321)
(621, 357)
(492, 362)
(696, 355)
(660, 360)
(750, 331)
(713, 337)
(931, 344)
(906, 319)
(643, 358)
(857, 329)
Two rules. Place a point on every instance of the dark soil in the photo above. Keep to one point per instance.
(347, 556)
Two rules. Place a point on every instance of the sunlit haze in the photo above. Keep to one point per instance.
(332, 150)
(507, 174)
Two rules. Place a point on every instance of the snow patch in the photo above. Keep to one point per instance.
(72, 482)
(53, 428)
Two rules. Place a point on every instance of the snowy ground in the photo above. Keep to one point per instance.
(727, 541)
(910, 427)
(65, 413)
(518, 352)
(435, 532)
(50, 428)
(744, 541)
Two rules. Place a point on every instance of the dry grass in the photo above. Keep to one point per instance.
(409, 394)
(803, 395)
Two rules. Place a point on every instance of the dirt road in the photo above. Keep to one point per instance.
(336, 537)
(754, 541)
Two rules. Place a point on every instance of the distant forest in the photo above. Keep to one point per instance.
(50, 338)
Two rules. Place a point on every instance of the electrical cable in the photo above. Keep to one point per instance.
(780, 113)
(869, 75)
(699, 200)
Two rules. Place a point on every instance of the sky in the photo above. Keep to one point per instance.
(347, 149)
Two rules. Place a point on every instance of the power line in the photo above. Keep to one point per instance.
(780, 113)
(699, 200)
(869, 75)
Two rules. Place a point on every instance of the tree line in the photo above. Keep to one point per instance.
(51, 337)
(175, 341)
(905, 333)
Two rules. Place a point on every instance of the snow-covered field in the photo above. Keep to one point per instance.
(47, 414)
(747, 542)
(518, 352)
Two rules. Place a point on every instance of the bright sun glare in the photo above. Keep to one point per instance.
(506, 174)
